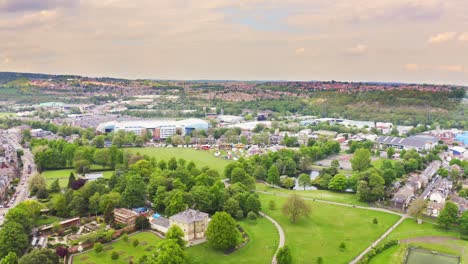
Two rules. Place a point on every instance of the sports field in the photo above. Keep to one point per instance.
(200, 157)
(63, 175)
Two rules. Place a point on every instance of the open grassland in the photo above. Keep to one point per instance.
(347, 198)
(62, 176)
(321, 233)
(410, 229)
(4, 114)
(260, 249)
(127, 252)
(378, 163)
(200, 157)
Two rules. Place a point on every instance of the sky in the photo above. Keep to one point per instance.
(422, 41)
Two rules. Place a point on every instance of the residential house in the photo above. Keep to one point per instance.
(192, 222)
(125, 216)
(402, 198)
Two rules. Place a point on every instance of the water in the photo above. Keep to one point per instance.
(313, 174)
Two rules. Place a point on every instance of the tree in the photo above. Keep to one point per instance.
(102, 157)
(55, 186)
(239, 175)
(172, 164)
(304, 180)
(114, 255)
(93, 203)
(11, 258)
(231, 206)
(252, 216)
(142, 222)
(361, 159)
(273, 175)
(448, 215)
(133, 194)
(61, 251)
(390, 152)
(176, 234)
(167, 252)
(99, 141)
(135, 242)
(389, 176)
(284, 255)
(97, 247)
(370, 186)
(338, 183)
(71, 179)
(36, 183)
(222, 232)
(40, 256)
(296, 207)
(260, 173)
(417, 207)
(464, 222)
(13, 238)
(335, 163)
(342, 246)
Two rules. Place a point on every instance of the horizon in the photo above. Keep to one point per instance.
(400, 41)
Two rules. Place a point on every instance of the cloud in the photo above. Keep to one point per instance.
(412, 67)
(358, 49)
(463, 37)
(12, 6)
(299, 51)
(442, 37)
(451, 68)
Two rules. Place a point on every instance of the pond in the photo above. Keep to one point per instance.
(313, 174)
(421, 256)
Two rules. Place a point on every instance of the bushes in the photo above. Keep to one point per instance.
(114, 255)
(381, 247)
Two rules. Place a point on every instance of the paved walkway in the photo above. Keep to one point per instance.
(282, 237)
(356, 260)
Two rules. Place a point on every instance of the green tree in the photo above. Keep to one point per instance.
(176, 234)
(260, 173)
(40, 256)
(222, 232)
(296, 207)
(135, 242)
(60, 205)
(417, 207)
(273, 175)
(11, 258)
(71, 179)
(114, 255)
(168, 252)
(335, 163)
(55, 186)
(390, 152)
(13, 238)
(93, 204)
(389, 176)
(338, 183)
(133, 194)
(370, 186)
(448, 215)
(464, 222)
(304, 180)
(99, 141)
(239, 175)
(231, 206)
(284, 255)
(361, 159)
(172, 164)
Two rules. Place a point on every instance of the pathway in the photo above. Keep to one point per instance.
(358, 258)
(282, 237)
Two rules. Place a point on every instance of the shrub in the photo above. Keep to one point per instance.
(239, 214)
(272, 205)
(125, 237)
(135, 242)
(342, 246)
(252, 216)
(375, 221)
(319, 260)
(97, 247)
(114, 255)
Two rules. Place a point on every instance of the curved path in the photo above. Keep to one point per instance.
(282, 237)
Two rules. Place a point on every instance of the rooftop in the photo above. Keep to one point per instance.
(189, 216)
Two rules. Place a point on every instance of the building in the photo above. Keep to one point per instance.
(229, 119)
(419, 142)
(93, 176)
(125, 216)
(159, 129)
(192, 222)
(402, 198)
(463, 138)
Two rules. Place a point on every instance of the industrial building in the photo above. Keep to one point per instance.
(159, 129)
(419, 142)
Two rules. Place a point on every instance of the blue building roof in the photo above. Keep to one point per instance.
(462, 137)
(156, 215)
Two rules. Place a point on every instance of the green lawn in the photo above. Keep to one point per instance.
(46, 220)
(5, 114)
(200, 157)
(410, 229)
(328, 225)
(63, 175)
(378, 163)
(126, 250)
(260, 249)
(348, 198)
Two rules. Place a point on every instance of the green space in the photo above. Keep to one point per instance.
(5, 114)
(321, 234)
(200, 157)
(126, 250)
(411, 229)
(62, 175)
(46, 220)
(260, 249)
(319, 167)
(347, 198)
(378, 163)
(418, 256)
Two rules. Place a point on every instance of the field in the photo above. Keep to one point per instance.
(348, 198)
(126, 250)
(260, 249)
(378, 163)
(4, 114)
(200, 157)
(328, 225)
(63, 175)
(46, 220)
(426, 235)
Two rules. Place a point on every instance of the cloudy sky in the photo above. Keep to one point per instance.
(356, 40)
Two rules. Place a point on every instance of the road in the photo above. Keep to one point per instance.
(22, 190)
(282, 237)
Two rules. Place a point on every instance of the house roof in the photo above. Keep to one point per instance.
(189, 216)
(161, 221)
(418, 141)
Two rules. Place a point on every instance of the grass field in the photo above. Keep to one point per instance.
(348, 198)
(328, 225)
(63, 175)
(260, 249)
(378, 163)
(46, 220)
(4, 114)
(126, 250)
(410, 229)
(200, 157)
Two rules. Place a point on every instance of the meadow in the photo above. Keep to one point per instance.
(62, 176)
(200, 157)
(321, 234)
